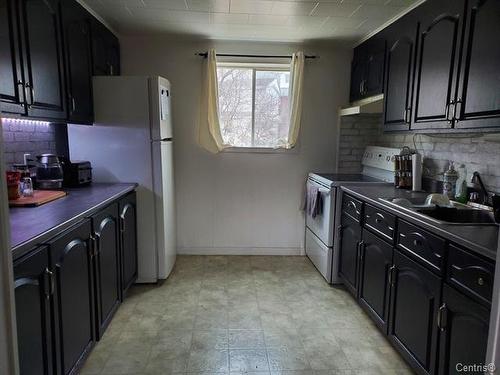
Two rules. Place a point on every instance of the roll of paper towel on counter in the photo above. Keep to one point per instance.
(416, 162)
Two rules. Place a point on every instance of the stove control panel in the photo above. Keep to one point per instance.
(380, 157)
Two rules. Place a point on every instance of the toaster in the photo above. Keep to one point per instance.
(77, 173)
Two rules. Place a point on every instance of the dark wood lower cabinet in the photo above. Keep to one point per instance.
(106, 265)
(73, 303)
(349, 248)
(415, 296)
(32, 285)
(463, 334)
(128, 240)
(374, 290)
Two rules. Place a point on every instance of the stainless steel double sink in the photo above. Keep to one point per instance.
(454, 214)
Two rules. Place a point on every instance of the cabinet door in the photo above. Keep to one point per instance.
(374, 80)
(107, 265)
(464, 332)
(32, 285)
(128, 240)
(415, 295)
(11, 79)
(71, 258)
(105, 51)
(43, 63)
(478, 103)
(375, 262)
(437, 63)
(358, 68)
(349, 248)
(399, 74)
(76, 29)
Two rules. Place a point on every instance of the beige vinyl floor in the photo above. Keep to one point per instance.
(231, 314)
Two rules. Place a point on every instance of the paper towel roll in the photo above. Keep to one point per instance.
(416, 163)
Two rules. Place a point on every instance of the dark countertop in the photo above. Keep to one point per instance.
(32, 226)
(481, 239)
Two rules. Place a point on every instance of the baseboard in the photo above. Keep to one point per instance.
(240, 251)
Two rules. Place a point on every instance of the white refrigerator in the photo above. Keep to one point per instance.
(131, 141)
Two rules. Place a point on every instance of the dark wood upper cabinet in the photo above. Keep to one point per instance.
(367, 69)
(375, 262)
(415, 296)
(401, 48)
(43, 60)
(438, 56)
(107, 265)
(11, 78)
(33, 287)
(128, 240)
(349, 249)
(76, 31)
(71, 257)
(478, 102)
(463, 332)
(105, 51)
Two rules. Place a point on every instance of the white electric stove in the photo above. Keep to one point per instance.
(321, 244)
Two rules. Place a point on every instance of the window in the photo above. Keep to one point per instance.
(254, 106)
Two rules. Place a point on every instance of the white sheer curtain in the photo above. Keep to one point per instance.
(209, 134)
(295, 97)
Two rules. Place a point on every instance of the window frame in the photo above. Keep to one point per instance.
(254, 67)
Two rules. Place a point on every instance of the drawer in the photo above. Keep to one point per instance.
(381, 222)
(352, 206)
(472, 274)
(427, 247)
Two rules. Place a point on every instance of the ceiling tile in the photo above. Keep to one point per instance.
(226, 18)
(221, 6)
(265, 19)
(292, 8)
(336, 10)
(251, 6)
(166, 4)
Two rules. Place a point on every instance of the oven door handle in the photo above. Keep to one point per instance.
(325, 191)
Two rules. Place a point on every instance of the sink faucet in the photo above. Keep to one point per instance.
(476, 179)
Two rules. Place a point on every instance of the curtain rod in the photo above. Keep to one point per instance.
(205, 54)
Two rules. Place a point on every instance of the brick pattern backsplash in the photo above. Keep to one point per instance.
(27, 138)
(478, 152)
(356, 132)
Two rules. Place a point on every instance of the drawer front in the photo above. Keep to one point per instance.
(352, 207)
(470, 273)
(427, 247)
(381, 222)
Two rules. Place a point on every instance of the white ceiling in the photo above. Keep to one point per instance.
(265, 20)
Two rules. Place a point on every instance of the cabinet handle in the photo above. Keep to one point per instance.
(441, 311)
(450, 110)
(92, 247)
(97, 239)
(353, 205)
(52, 282)
(391, 276)
(339, 228)
(73, 105)
(32, 94)
(480, 281)
(361, 250)
(457, 108)
(110, 69)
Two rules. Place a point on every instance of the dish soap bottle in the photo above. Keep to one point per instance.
(461, 187)
(449, 181)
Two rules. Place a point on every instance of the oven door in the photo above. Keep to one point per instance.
(322, 225)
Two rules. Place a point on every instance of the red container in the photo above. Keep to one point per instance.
(13, 181)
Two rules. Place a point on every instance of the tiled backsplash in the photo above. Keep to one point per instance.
(27, 138)
(478, 152)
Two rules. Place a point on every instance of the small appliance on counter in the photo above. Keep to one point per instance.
(49, 172)
(76, 173)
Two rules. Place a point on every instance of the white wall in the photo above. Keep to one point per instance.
(243, 203)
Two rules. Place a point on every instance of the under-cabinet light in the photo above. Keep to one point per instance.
(21, 121)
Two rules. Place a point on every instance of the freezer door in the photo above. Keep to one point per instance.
(161, 112)
(164, 207)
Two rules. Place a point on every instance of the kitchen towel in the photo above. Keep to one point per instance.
(312, 201)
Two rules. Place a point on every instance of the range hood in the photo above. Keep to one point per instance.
(373, 104)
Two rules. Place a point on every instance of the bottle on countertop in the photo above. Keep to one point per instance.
(449, 181)
(461, 186)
